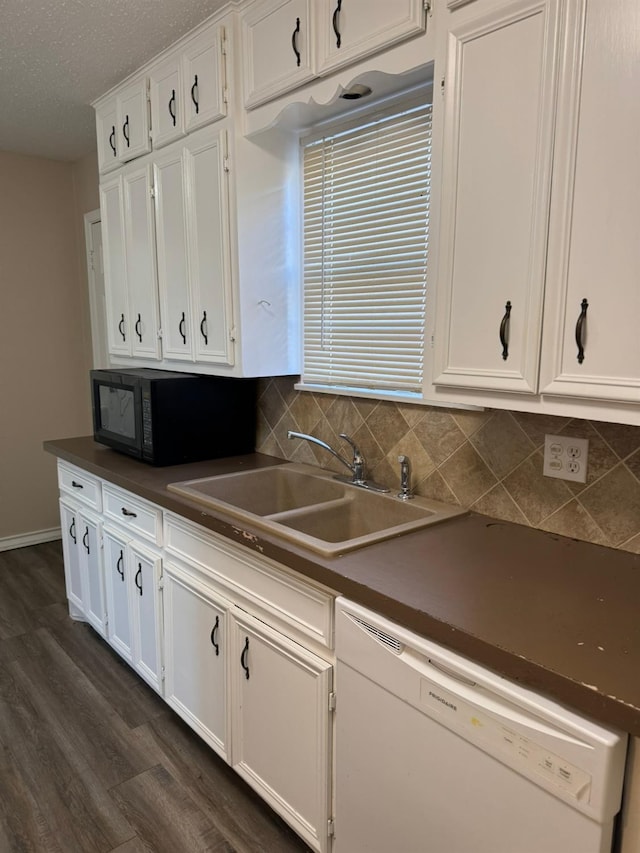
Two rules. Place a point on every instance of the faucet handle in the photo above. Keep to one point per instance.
(405, 478)
(357, 455)
(358, 464)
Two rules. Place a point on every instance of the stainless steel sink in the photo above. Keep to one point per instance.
(308, 506)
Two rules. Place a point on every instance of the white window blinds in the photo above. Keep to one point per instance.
(366, 230)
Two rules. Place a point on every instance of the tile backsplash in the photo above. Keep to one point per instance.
(490, 461)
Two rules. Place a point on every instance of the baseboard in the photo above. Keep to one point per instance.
(8, 543)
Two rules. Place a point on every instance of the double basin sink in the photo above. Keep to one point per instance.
(308, 506)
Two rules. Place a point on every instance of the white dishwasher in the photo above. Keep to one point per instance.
(435, 754)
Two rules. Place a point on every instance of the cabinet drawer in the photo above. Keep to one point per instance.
(133, 513)
(255, 583)
(84, 487)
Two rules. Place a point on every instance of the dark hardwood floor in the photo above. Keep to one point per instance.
(90, 758)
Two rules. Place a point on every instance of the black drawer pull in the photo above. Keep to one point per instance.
(119, 565)
(138, 328)
(203, 328)
(72, 531)
(335, 22)
(121, 327)
(85, 540)
(504, 327)
(139, 575)
(172, 106)
(580, 325)
(181, 328)
(194, 90)
(77, 485)
(214, 635)
(112, 139)
(243, 658)
(294, 41)
(125, 131)
(128, 513)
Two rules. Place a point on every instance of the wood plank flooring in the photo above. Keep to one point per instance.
(90, 758)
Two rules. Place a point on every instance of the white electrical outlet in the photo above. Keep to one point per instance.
(566, 457)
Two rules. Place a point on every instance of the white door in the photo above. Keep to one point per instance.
(119, 328)
(277, 49)
(173, 264)
(280, 725)
(195, 626)
(348, 29)
(209, 251)
(133, 121)
(204, 76)
(167, 102)
(90, 546)
(95, 276)
(499, 66)
(71, 554)
(591, 346)
(145, 571)
(117, 583)
(142, 279)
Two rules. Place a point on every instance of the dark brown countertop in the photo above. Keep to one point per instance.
(558, 615)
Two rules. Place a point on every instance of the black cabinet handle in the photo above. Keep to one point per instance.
(85, 540)
(128, 513)
(194, 89)
(214, 634)
(294, 41)
(203, 326)
(125, 130)
(139, 575)
(119, 565)
(172, 106)
(77, 485)
(504, 325)
(138, 327)
(243, 658)
(181, 329)
(335, 21)
(112, 139)
(582, 319)
(72, 531)
(121, 327)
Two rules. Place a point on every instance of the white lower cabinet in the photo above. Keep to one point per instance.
(196, 656)
(133, 574)
(239, 646)
(280, 725)
(84, 576)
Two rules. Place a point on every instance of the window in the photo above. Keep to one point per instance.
(366, 230)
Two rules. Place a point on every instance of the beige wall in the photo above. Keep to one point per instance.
(44, 340)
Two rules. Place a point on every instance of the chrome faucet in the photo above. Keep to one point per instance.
(357, 466)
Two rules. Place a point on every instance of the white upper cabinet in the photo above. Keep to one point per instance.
(350, 29)
(286, 43)
(129, 264)
(188, 88)
(591, 342)
(498, 76)
(276, 49)
(122, 122)
(192, 221)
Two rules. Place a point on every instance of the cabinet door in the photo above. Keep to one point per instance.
(115, 268)
(209, 254)
(350, 29)
(195, 643)
(167, 102)
(117, 581)
(173, 268)
(92, 572)
(280, 728)
(277, 49)
(594, 252)
(141, 272)
(500, 70)
(133, 121)
(107, 136)
(204, 79)
(71, 555)
(145, 571)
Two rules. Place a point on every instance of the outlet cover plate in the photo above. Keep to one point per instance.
(566, 457)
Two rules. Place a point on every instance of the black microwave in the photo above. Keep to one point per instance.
(167, 418)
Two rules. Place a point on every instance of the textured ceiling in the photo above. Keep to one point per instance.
(56, 56)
